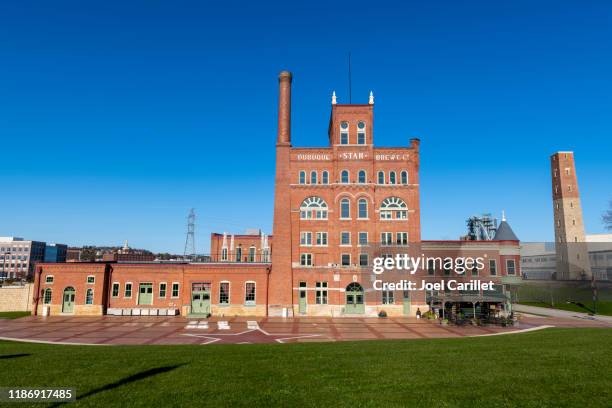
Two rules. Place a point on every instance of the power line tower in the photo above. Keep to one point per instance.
(190, 251)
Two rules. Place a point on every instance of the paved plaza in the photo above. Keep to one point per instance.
(113, 330)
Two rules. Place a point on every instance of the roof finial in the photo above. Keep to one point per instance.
(371, 101)
(503, 215)
(333, 97)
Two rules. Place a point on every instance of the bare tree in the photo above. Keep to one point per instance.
(607, 218)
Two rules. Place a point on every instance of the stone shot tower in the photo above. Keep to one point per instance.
(570, 242)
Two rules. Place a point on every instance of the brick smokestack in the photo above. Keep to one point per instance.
(284, 108)
(281, 276)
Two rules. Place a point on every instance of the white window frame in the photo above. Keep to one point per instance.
(250, 302)
(306, 238)
(367, 210)
(159, 296)
(347, 200)
(378, 177)
(344, 132)
(302, 177)
(125, 286)
(321, 293)
(386, 238)
(363, 132)
(325, 177)
(359, 238)
(342, 255)
(94, 279)
(47, 281)
(508, 267)
(342, 238)
(306, 259)
(118, 289)
(92, 296)
(348, 176)
(178, 290)
(229, 292)
(319, 238)
(365, 177)
(392, 177)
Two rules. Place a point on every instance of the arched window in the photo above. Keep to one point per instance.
(302, 177)
(344, 133)
(325, 177)
(47, 296)
(363, 208)
(313, 177)
(392, 179)
(361, 132)
(393, 208)
(381, 177)
(313, 208)
(362, 177)
(224, 254)
(89, 297)
(404, 177)
(344, 177)
(345, 208)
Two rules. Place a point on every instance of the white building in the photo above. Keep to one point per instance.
(17, 257)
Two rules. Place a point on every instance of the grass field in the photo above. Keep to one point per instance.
(13, 315)
(603, 308)
(553, 367)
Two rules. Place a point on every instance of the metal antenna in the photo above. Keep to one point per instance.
(190, 251)
(349, 79)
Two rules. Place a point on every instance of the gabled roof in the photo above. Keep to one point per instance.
(505, 233)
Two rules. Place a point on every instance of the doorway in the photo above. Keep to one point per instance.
(68, 303)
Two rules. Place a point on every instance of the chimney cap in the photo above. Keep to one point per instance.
(285, 75)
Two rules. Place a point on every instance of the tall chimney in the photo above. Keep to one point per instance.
(284, 108)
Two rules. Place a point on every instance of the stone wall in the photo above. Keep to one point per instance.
(16, 298)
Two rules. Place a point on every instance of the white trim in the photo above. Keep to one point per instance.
(165, 290)
(229, 293)
(254, 301)
(131, 290)
(172, 290)
(118, 290)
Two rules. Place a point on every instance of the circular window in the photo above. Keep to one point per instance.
(344, 125)
(361, 125)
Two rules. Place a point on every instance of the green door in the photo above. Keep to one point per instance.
(354, 299)
(406, 300)
(200, 302)
(68, 304)
(145, 294)
(302, 298)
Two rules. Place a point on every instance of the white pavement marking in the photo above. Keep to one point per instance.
(252, 325)
(223, 325)
(515, 331)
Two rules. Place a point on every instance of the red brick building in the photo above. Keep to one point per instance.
(336, 209)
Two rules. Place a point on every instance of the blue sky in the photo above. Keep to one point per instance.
(117, 117)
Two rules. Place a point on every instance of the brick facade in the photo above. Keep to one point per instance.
(335, 209)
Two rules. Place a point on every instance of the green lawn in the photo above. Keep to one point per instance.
(603, 308)
(13, 315)
(553, 367)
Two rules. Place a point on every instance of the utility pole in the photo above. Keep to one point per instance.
(190, 251)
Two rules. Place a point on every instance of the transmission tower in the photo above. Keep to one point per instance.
(190, 251)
